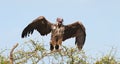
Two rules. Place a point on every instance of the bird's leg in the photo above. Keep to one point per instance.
(58, 44)
(51, 47)
(57, 47)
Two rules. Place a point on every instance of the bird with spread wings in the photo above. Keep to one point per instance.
(59, 32)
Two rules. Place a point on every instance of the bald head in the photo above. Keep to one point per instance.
(59, 21)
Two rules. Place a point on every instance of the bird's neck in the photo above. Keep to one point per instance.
(59, 25)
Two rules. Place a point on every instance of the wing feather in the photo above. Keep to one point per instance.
(76, 30)
(40, 24)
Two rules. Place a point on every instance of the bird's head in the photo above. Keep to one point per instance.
(59, 21)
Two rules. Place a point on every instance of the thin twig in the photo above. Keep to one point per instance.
(11, 53)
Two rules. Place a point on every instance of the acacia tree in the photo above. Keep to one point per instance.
(37, 53)
(34, 52)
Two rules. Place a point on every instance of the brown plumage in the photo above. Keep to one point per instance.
(59, 32)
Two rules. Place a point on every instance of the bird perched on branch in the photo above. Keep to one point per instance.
(59, 32)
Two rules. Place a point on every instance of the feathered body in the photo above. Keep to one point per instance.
(59, 32)
(56, 36)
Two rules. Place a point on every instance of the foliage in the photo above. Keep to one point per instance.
(35, 53)
(3, 59)
(108, 58)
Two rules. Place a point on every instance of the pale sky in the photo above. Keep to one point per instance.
(100, 17)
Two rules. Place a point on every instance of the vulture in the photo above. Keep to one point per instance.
(59, 32)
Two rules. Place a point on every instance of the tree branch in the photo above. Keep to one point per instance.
(11, 53)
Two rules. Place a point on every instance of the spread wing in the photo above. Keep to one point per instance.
(40, 24)
(76, 30)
